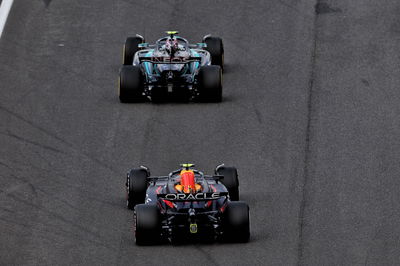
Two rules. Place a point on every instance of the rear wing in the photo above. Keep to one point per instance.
(169, 60)
(192, 197)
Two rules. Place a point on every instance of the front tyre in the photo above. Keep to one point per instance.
(130, 48)
(136, 185)
(216, 49)
(131, 84)
(237, 222)
(230, 180)
(147, 224)
(210, 84)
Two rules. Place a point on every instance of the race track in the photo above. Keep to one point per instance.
(310, 116)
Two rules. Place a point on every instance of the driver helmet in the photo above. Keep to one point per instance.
(188, 183)
(171, 46)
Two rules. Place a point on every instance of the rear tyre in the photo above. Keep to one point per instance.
(130, 84)
(136, 185)
(130, 48)
(147, 224)
(210, 84)
(237, 222)
(230, 180)
(216, 49)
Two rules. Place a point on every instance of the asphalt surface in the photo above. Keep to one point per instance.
(310, 117)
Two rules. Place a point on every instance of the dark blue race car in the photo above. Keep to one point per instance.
(187, 205)
(172, 68)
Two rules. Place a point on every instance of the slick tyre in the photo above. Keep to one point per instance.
(230, 180)
(136, 185)
(237, 222)
(130, 48)
(130, 84)
(216, 49)
(210, 84)
(147, 224)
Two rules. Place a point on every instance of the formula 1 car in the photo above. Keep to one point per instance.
(187, 205)
(171, 69)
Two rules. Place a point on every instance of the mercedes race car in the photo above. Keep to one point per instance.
(172, 68)
(187, 205)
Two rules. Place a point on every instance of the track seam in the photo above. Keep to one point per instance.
(307, 149)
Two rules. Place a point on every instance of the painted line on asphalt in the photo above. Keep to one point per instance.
(5, 8)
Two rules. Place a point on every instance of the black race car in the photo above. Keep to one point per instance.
(172, 68)
(187, 205)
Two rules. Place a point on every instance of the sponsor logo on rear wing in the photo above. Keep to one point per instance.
(169, 60)
(192, 197)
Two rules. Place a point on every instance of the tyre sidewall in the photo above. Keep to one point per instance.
(130, 48)
(237, 222)
(216, 49)
(210, 83)
(137, 187)
(147, 224)
(230, 181)
(131, 84)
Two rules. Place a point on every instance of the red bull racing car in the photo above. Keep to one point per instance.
(171, 69)
(187, 205)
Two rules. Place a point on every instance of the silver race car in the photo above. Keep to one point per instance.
(171, 69)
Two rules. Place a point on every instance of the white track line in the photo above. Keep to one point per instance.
(4, 10)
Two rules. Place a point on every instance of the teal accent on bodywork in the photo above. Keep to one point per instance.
(201, 45)
(143, 45)
(147, 65)
(195, 64)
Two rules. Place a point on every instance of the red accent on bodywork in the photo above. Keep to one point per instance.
(213, 188)
(222, 209)
(208, 204)
(158, 189)
(169, 203)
